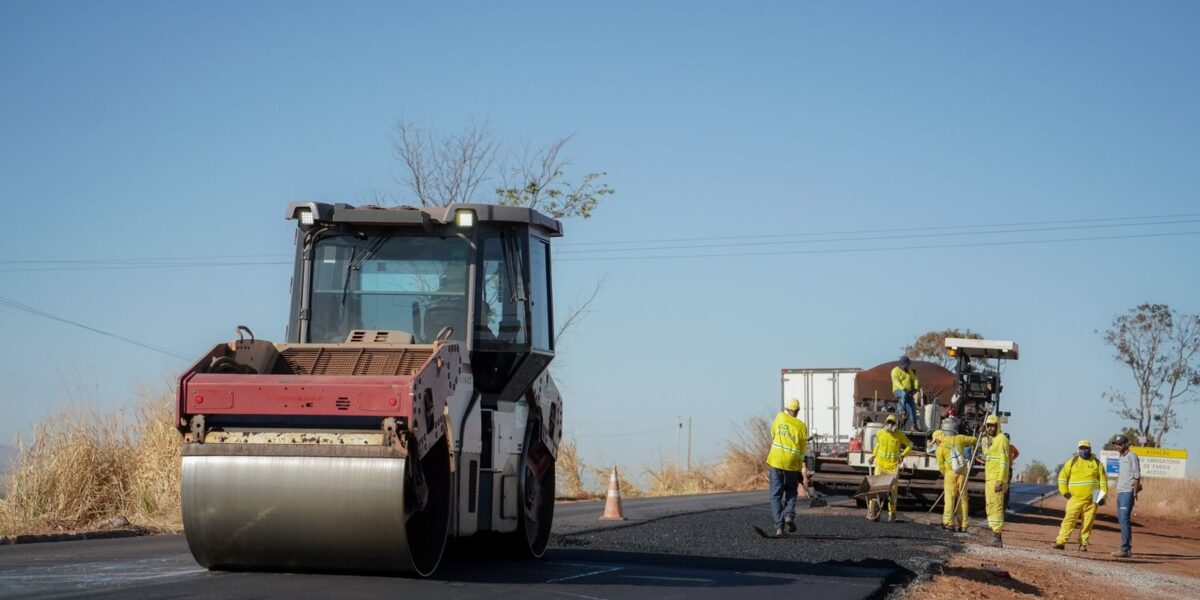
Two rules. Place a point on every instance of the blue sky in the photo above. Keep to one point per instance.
(135, 130)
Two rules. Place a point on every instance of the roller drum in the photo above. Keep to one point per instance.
(308, 513)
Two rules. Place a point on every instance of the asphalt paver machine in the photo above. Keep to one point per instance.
(410, 403)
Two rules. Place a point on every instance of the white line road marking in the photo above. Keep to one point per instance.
(599, 572)
(578, 596)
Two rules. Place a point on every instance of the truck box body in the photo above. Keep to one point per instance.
(826, 402)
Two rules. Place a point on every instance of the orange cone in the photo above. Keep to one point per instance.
(612, 508)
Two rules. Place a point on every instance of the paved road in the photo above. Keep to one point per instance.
(682, 547)
(1025, 496)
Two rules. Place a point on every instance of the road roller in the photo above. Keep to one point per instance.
(409, 402)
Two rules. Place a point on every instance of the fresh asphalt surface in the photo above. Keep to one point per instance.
(679, 547)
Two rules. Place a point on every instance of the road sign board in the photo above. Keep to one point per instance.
(1168, 463)
(1112, 462)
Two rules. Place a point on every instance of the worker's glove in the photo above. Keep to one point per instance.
(871, 460)
(999, 486)
(1067, 495)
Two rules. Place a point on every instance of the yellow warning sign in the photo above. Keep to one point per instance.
(1167, 463)
(1144, 452)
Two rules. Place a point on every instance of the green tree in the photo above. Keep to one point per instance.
(931, 346)
(1161, 348)
(1134, 439)
(1035, 471)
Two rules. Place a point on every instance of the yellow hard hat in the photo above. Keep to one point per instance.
(890, 419)
(792, 404)
(1084, 444)
(992, 420)
(939, 435)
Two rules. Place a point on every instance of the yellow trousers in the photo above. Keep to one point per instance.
(955, 502)
(873, 505)
(1077, 506)
(995, 504)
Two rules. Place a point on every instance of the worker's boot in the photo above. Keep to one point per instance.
(949, 527)
(997, 541)
(1121, 553)
(778, 533)
(1058, 546)
(1083, 547)
(891, 517)
(790, 524)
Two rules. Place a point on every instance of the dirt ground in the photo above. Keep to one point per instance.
(1165, 561)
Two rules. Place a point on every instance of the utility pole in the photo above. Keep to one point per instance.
(678, 432)
(689, 462)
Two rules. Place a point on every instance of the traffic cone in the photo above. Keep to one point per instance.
(612, 508)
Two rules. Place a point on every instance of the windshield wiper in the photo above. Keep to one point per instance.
(357, 260)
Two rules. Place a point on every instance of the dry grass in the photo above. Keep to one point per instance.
(1170, 498)
(569, 472)
(670, 479)
(604, 477)
(743, 465)
(82, 468)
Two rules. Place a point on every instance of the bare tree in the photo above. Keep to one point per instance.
(931, 346)
(441, 169)
(580, 310)
(445, 169)
(1162, 350)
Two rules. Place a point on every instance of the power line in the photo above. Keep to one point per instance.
(151, 266)
(139, 260)
(41, 313)
(881, 248)
(878, 237)
(109, 264)
(888, 230)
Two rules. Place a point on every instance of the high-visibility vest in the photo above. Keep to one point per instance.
(789, 441)
(1081, 476)
(953, 455)
(904, 380)
(887, 452)
(998, 459)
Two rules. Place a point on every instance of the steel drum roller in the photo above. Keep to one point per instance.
(307, 512)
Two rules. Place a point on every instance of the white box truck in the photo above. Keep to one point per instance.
(826, 402)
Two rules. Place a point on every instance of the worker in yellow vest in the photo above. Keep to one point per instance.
(891, 446)
(785, 461)
(998, 463)
(954, 462)
(1083, 482)
(905, 385)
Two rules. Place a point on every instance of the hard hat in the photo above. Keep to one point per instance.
(992, 420)
(890, 419)
(1084, 444)
(792, 404)
(939, 435)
